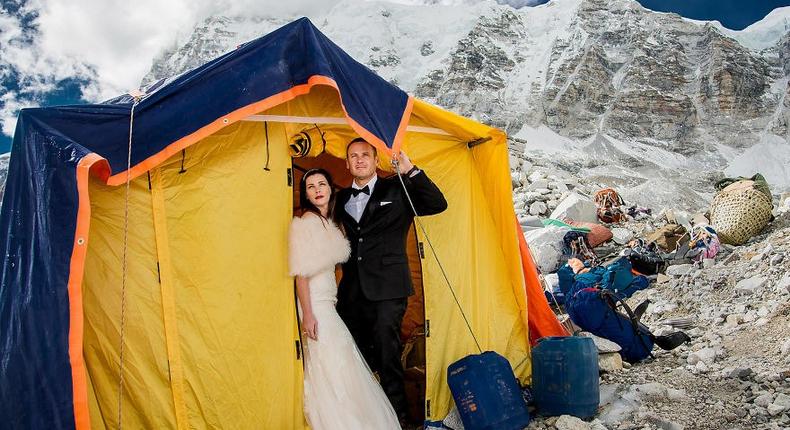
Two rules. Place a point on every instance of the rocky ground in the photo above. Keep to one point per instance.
(735, 373)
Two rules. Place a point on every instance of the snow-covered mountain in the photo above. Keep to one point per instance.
(604, 89)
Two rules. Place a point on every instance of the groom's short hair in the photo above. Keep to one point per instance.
(361, 140)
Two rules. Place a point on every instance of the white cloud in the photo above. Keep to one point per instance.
(110, 44)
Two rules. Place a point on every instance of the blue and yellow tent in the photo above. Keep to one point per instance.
(210, 337)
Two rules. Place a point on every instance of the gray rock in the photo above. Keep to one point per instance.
(610, 362)
(763, 400)
(679, 269)
(576, 207)
(514, 161)
(750, 286)
(603, 345)
(539, 184)
(774, 409)
(780, 404)
(567, 422)
(784, 284)
(536, 176)
(741, 373)
(705, 355)
(514, 178)
(560, 187)
(538, 208)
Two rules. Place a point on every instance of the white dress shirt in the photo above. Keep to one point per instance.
(356, 204)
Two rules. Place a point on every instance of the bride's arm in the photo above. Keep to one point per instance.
(309, 323)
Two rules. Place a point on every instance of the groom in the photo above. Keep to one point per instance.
(376, 281)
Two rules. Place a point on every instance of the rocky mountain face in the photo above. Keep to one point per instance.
(638, 99)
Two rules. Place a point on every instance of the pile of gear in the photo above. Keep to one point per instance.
(591, 264)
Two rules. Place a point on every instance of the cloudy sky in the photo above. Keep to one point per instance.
(72, 51)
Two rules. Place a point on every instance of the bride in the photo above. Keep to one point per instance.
(340, 392)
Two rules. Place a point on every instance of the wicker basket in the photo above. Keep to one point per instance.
(739, 212)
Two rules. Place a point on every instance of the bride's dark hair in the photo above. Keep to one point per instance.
(306, 205)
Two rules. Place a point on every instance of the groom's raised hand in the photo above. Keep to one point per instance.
(404, 163)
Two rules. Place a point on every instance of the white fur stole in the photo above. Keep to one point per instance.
(315, 245)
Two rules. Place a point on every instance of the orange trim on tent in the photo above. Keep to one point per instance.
(542, 320)
(404, 122)
(76, 268)
(251, 109)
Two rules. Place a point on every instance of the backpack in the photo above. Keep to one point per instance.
(615, 276)
(597, 311)
(576, 245)
(608, 202)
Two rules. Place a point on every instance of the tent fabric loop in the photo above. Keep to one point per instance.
(471, 144)
(183, 158)
(266, 136)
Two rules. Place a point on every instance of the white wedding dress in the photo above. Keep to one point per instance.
(340, 391)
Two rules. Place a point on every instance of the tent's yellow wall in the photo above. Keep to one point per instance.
(213, 344)
(480, 259)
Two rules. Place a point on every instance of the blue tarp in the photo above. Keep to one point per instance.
(39, 210)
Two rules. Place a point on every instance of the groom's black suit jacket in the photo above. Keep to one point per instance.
(378, 265)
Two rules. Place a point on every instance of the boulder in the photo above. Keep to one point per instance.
(530, 222)
(534, 186)
(536, 176)
(538, 208)
(567, 422)
(780, 404)
(610, 362)
(784, 283)
(705, 355)
(576, 207)
(750, 286)
(679, 269)
(604, 345)
(763, 400)
(546, 246)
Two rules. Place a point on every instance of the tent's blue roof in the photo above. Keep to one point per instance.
(267, 66)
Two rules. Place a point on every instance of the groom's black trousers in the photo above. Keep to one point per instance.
(376, 326)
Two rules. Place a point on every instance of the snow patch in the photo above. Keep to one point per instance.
(545, 139)
(770, 157)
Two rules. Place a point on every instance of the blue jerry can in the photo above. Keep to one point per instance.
(487, 393)
(565, 376)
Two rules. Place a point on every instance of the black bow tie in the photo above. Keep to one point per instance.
(355, 191)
